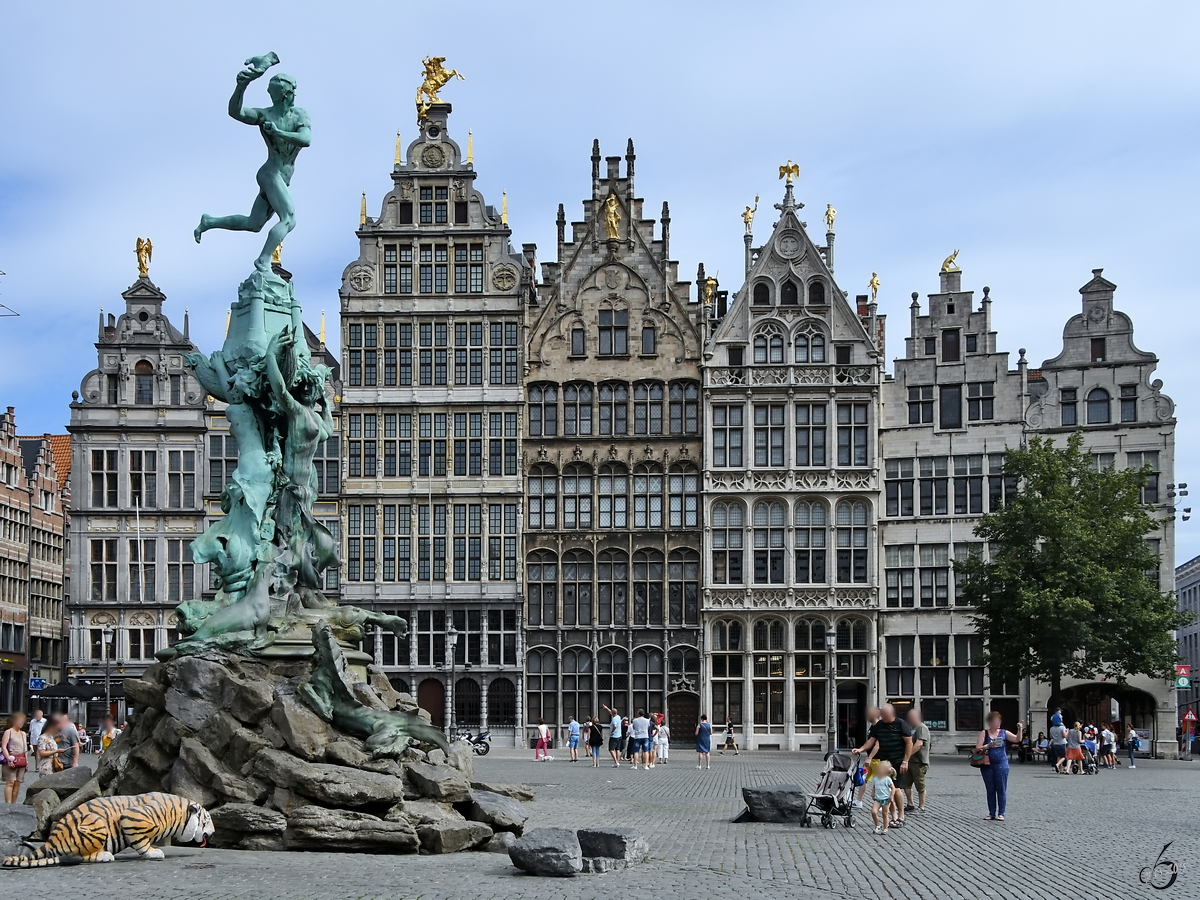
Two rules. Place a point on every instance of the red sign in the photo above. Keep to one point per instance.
(1189, 716)
(1183, 669)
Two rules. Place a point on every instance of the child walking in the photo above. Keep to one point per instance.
(882, 787)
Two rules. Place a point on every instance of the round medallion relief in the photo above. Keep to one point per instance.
(504, 278)
(789, 245)
(433, 156)
(361, 278)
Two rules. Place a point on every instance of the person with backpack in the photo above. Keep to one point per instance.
(1133, 743)
(595, 740)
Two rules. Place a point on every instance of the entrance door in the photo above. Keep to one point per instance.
(851, 714)
(431, 696)
(683, 715)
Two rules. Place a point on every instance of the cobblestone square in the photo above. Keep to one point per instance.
(1074, 837)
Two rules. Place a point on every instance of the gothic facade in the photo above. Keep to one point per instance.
(432, 371)
(791, 405)
(612, 468)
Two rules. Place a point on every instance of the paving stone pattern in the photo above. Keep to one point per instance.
(1077, 837)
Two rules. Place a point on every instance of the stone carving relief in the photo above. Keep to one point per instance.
(433, 157)
(361, 278)
(504, 278)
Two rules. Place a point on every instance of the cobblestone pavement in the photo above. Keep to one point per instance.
(1065, 837)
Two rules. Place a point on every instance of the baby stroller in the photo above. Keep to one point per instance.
(1089, 761)
(835, 792)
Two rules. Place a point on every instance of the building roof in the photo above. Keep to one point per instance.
(60, 447)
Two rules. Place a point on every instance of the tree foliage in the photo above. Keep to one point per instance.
(1065, 591)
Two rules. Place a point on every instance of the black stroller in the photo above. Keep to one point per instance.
(833, 798)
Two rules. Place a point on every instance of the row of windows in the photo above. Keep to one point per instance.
(143, 387)
(466, 452)
(809, 348)
(142, 567)
(433, 269)
(486, 638)
(923, 571)
(658, 408)
(790, 293)
(577, 590)
(603, 500)
(924, 486)
(432, 334)
(144, 479)
(811, 429)
(1097, 405)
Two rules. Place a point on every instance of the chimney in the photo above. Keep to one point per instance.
(864, 305)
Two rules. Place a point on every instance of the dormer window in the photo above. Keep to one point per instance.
(1098, 350)
(789, 296)
(972, 343)
(143, 372)
(816, 293)
(930, 346)
(762, 295)
(950, 349)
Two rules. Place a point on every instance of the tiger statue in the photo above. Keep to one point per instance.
(97, 830)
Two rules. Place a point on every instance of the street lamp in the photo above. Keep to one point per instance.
(452, 636)
(831, 646)
(107, 635)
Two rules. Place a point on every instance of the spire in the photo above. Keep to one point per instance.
(561, 221)
(322, 326)
(227, 314)
(396, 163)
(362, 212)
(185, 324)
(470, 148)
(596, 168)
(666, 228)
(100, 330)
(630, 156)
(504, 207)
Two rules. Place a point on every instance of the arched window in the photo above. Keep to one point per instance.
(612, 677)
(612, 587)
(685, 407)
(576, 683)
(816, 351)
(541, 575)
(816, 293)
(762, 294)
(647, 496)
(468, 704)
(768, 348)
(683, 587)
(728, 539)
(852, 522)
(143, 373)
(801, 348)
(541, 685)
(1098, 407)
(577, 409)
(852, 648)
(647, 680)
(577, 587)
(727, 635)
(776, 349)
(760, 349)
(769, 522)
(647, 588)
(683, 665)
(543, 410)
(768, 634)
(648, 408)
(684, 489)
(811, 530)
(614, 408)
(577, 496)
(789, 296)
(502, 703)
(543, 496)
(810, 634)
(810, 661)
(613, 490)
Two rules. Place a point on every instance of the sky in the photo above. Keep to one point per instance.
(1042, 140)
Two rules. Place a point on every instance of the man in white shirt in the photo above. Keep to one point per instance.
(614, 736)
(639, 733)
(36, 724)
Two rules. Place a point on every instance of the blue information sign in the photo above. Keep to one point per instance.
(37, 684)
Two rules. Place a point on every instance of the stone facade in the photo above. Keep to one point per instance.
(791, 389)
(34, 501)
(431, 410)
(612, 466)
(1187, 589)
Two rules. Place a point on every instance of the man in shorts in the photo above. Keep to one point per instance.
(573, 738)
(918, 763)
(639, 733)
(892, 740)
(729, 738)
(614, 736)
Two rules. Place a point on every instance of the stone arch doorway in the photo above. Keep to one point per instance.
(683, 715)
(431, 696)
(1102, 703)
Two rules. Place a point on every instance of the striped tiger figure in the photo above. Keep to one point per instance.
(97, 830)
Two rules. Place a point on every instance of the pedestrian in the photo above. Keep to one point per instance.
(1107, 742)
(615, 731)
(595, 740)
(639, 740)
(14, 751)
(652, 745)
(663, 740)
(540, 753)
(1058, 742)
(872, 718)
(892, 739)
(48, 754)
(627, 742)
(108, 733)
(882, 787)
(704, 743)
(573, 738)
(1075, 750)
(66, 736)
(36, 724)
(729, 740)
(1133, 743)
(918, 763)
(994, 739)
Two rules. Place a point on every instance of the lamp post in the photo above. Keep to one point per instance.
(107, 635)
(452, 637)
(831, 645)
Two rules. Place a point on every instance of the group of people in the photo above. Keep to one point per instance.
(46, 744)
(1076, 749)
(896, 766)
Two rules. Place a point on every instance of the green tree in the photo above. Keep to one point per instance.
(1065, 591)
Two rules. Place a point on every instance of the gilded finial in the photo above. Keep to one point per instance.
(948, 265)
(227, 314)
(435, 78)
(790, 171)
(504, 208)
(470, 148)
(830, 215)
(748, 215)
(362, 212)
(277, 256)
(322, 326)
(145, 251)
(397, 160)
(873, 284)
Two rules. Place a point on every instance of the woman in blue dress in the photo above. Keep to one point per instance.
(995, 775)
(703, 744)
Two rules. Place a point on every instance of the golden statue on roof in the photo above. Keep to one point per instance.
(748, 215)
(436, 77)
(873, 284)
(790, 171)
(948, 265)
(830, 215)
(612, 217)
(145, 252)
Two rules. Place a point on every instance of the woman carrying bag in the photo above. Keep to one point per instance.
(14, 750)
(991, 758)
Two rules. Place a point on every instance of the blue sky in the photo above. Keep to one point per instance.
(1042, 140)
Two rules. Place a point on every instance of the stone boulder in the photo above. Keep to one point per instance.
(65, 782)
(16, 824)
(452, 837)
(316, 828)
(246, 818)
(424, 812)
(462, 757)
(516, 791)
(196, 692)
(325, 783)
(500, 842)
(547, 851)
(776, 803)
(307, 734)
(145, 693)
(440, 782)
(89, 791)
(610, 849)
(44, 803)
(501, 813)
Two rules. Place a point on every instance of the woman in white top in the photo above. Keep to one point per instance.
(662, 742)
(543, 742)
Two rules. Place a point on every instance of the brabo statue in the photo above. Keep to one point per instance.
(285, 128)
